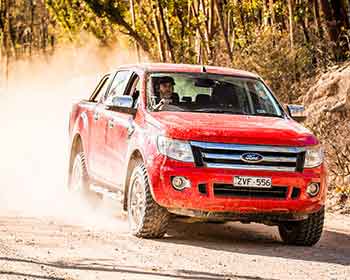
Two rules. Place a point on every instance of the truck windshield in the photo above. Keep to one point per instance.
(210, 93)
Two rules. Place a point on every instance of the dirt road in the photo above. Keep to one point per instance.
(51, 248)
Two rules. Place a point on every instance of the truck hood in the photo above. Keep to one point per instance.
(225, 128)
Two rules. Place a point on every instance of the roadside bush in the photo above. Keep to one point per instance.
(287, 72)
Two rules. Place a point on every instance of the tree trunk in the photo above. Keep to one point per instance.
(207, 29)
(166, 32)
(132, 12)
(305, 31)
(31, 37)
(180, 15)
(6, 37)
(219, 13)
(264, 15)
(44, 30)
(201, 38)
(290, 10)
(272, 13)
(330, 24)
(233, 36)
(316, 14)
(331, 27)
(2, 30)
(339, 14)
(211, 18)
(159, 39)
(198, 47)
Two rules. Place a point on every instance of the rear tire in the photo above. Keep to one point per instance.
(303, 233)
(146, 218)
(79, 182)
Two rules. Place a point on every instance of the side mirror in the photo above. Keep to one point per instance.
(297, 112)
(122, 104)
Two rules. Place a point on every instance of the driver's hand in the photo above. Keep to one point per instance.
(165, 101)
(161, 103)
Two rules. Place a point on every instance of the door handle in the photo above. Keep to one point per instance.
(96, 116)
(111, 123)
(131, 128)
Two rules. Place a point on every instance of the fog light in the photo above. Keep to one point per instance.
(313, 189)
(179, 183)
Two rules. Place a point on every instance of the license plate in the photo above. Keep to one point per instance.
(253, 182)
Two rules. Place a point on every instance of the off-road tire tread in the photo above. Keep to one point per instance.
(85, 172)
(87, 194)
(156, 218)
(305, 233)
(83, 165)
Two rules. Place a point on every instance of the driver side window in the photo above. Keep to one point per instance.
(118, 86)
(134, 90)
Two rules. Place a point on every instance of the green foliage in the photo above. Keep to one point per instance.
(246, 34)
(75, 16)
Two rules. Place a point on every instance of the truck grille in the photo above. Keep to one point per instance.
(274, 192)
(231, 156)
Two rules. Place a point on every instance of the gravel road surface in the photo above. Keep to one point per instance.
(52, 248)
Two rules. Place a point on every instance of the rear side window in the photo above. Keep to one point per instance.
(100, 90)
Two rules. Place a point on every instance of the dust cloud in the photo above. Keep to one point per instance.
(35, 107)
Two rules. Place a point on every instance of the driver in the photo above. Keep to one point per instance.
(166, 94)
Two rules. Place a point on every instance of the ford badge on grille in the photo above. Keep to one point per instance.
(252, 157)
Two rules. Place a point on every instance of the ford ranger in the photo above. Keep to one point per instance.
(210, 144)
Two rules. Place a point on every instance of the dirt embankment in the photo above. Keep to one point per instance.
(328, 109)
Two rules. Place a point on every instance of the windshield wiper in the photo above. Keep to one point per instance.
(219, 111)
(269, 115)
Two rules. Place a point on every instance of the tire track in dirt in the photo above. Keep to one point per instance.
(50, 247)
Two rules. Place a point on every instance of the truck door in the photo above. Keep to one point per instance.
(113, 127)
(120, 128)
(98, 123)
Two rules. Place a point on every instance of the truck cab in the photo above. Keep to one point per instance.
(208, 143)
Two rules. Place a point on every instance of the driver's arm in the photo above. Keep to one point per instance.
(161, 104)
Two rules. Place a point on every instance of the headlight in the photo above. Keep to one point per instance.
(314, 156)
(176, 149)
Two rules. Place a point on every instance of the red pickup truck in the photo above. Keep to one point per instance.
(207, 143)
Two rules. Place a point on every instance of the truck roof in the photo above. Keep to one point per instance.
(171, 67)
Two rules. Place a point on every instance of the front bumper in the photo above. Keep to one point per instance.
(195, 203)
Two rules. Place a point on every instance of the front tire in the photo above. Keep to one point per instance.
(303, 233)
(146, 218)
